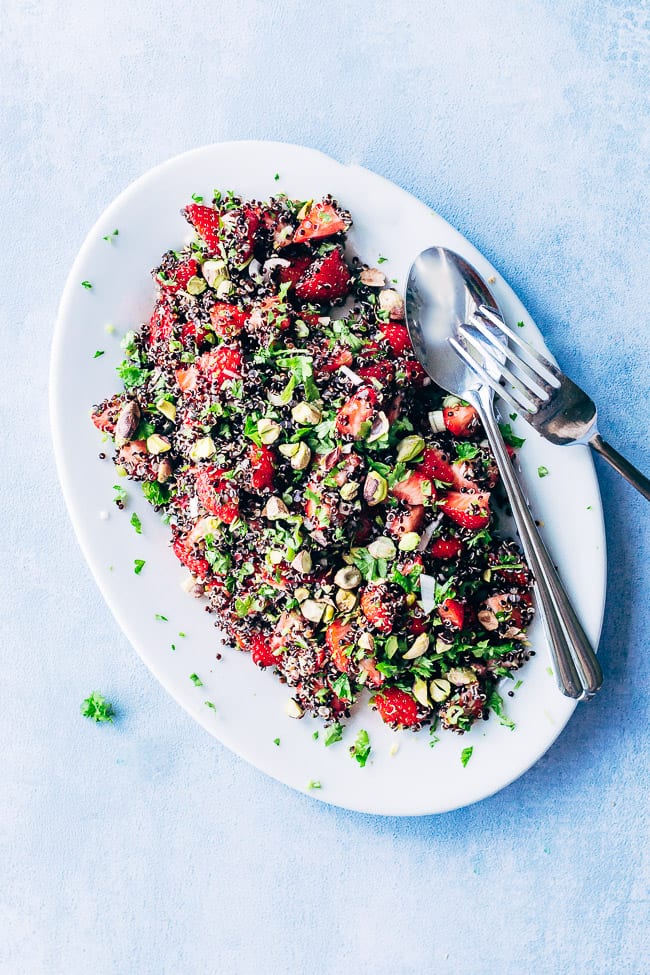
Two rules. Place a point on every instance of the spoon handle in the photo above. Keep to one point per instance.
(577, 671)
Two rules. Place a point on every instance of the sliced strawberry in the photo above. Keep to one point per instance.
(184, 551)
(417, 625)
(273, 312)
(339, 356)
(384, 372)
(261, 653)
(322, 220)
(355, 412)
(338, 637)
(462, 421)
(415, 489)
(106, 414)
(177, 279)
(375, 607)
(452, 612)
(192, 331)
(221, 364)
(446, 548)
(292, 274)
(262, 467)
(161, 325)
(186, 378)
(216, 494)
(205, 221)
(435, 466)
(227, 320)
(468, 510)
(375, 678)
(238, 229)
(396, 707)
(326, 279)
(414, 371)
(397, 337)
(400, 523)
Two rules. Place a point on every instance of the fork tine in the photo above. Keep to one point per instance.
(489, 381)
(525, 346)
(538, 381)
(516, 381)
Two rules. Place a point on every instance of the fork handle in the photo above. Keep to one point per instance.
(576, 667)
(620, 464)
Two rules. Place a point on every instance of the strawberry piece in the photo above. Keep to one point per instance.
(292, 274)
(417, 625)
(415, 372)
(435, 466)
(262, 467)
(326, 279)
(273, 311)
(322, 220)
(375, 608)
(399, 522)
(211, 488)
(106, 414)
(161, 325)
(468, 510)
(178, 278)
(186, 378)
(193, 332)
(355, 412)
(396, 707)
(205, 221)
(397, 337)
(261, 653)
(184, 551)
(452, 612)
(384, 372)
(227, 320)
(339, 356)
(375, 678)
(338, 637)
(222, 364)
(415, 489)
(462, 421)
(446, 548)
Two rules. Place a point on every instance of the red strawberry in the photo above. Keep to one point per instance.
(205, 221)
(374, 606)
(399, 522)
(434, 466)
(161, 325)
(106, 414)
(338, 637)
(339, 356)
(238, 229)
(375, 678)
(417, 625)
(186, 378)
(326, 279)
(227, 320)
(215, 495)
(193, 332)
(178, 278)
(446, 548)
(355, 412)
(397, 337)
(396, 707)
(415, 372)
(295, 271)
(261, 653)
(262, 467)
(322, 220)
(222, 364)
(382, 371)
(452, 612)
(415, 489)
(462, 421)
(183, 551)
(468, 510)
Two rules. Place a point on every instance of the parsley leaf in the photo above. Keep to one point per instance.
(511, 438)
(97, 708)
(210, 705)
(155, 493)
(138, 566)
(333, 733)
(341, 687)
(466, 754)
(466, 451)
(98, 353)
(495, 703)
(196, 680)
(120, 493)
(314, 784)
(136, 523)
(361, 748)
(543, 471)
(87, 285)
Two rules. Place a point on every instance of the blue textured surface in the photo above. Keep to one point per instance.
(146, 847)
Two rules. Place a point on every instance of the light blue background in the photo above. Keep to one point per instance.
(146, 847)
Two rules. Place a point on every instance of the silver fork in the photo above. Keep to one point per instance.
(551, 402)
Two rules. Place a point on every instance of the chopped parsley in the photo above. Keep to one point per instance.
(495, 703)
(98, 353)
(138, 566)
(196, 680)
(511, 438)
(159, 616)
(466, 754)
(97, 708)
(136, 523)
(543, 471)
(209, 704)
(315, 735)
(155, 493)
(314, 784)
(87, 285)
(111, 237)
(341, 687)
(276, 177)
(361, 748)
(276, 741)
(381, 259)
(197, 198)
(333, 733)
(520, 324)
(466, 451)
(120, 493)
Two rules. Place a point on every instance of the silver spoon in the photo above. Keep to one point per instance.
(443, 292)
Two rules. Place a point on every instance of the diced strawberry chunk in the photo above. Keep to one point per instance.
(446, 548)
(227, 320)
(222, 364)
(261, 652)
(462, 421)
(184, 551)
(468, 510)
(382, 371)
(375, 677)
(355, 412)
(262, 467)
(292, 274)
(161, 325)
(396, 707)
(452, 612)
(417, 488)
(216, 494)
(322, 220)
(435, 466)
(374, 606)
(415, 372)
(205, 220)
(338, 637)
(339, 356)
(400, 523)
(326, 279)
(397, 337)
(177, 279)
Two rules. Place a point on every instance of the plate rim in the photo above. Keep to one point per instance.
(84, 536)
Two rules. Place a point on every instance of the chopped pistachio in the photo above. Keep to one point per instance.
(382, 548)
(268, 430)
(157, 444)
(203, 449)
(409, 448)
(215, 272)
(440, 689)
(346, 600)
(313, 610)
(196, 285)
(301, 458)
(302, 562)
(419, 647)
(420, 692)
(372, 277)
(459, 676)
(391, 301)
(293, 709)
(309, 413)
(348, 578)
(349, 490)
(167, 408)
(375, 489)
(409, 542)
(366, 641)
(275, 508)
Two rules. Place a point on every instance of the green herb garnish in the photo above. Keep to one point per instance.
(138, 566)
(97, 708)
(466, 754)
(361, 748)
